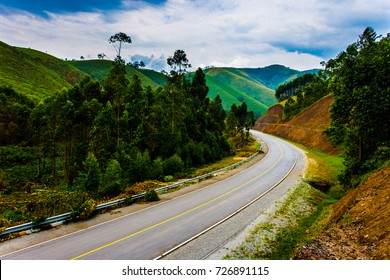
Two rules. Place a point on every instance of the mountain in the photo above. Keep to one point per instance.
(275, 75)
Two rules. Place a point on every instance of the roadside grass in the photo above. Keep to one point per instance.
(240, 154)
(299, 216)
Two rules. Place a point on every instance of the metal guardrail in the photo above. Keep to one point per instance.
(63, 217)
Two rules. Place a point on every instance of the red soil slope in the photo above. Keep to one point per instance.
(306, 128)
(361, 224)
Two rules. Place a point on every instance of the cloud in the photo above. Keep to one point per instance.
(252, 33)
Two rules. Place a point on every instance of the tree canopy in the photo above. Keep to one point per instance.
(360, 82)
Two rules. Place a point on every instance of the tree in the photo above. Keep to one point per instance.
(136, 64)
(101, 55)
(90, 178)
(179, 62)
(117, 41)
(112, 184)
(361, 87)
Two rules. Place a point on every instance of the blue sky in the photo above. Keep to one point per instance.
(252, 33)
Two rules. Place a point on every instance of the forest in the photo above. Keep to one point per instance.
(90, 142)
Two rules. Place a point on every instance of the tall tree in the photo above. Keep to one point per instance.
(117, 41)
(179, 62)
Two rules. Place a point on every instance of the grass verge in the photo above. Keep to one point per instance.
(299, 216)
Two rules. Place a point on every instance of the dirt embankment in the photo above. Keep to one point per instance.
(306, 128)
(360, 224)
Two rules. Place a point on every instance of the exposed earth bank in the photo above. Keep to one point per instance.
(359, 226)
(306, 128)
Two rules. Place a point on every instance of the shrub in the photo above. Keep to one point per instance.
(151, 195)
(168, 178)
(173, 165)
(85, 210)
(112, 179)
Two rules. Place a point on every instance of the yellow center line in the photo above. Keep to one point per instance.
(181, 214)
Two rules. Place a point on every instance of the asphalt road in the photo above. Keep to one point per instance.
(149, 233)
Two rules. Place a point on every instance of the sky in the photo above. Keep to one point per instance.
(223, 33)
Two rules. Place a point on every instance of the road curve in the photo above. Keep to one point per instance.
(149, 233)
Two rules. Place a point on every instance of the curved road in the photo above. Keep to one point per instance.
(149, 233)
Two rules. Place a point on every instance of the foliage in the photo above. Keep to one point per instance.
(98, 137)
(112, 183)
(151, 195)
(289, 89)
(238, 123)
(173, 165)
(179, 62)
(85, 210)
(117, 41)
(361, 87)
(306, 89)
(90, 179)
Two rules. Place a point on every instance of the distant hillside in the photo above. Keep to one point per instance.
(306, 128)
(235, 89)
(33, 73)
(98, 69)
(255, 86)
(275, 75)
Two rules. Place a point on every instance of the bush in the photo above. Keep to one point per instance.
(173, 165)
(168, 178)
(90, 179)
(151, 195)
(113, 179)
(85, 210)
(157, 171)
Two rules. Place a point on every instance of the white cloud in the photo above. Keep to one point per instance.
(252, 33)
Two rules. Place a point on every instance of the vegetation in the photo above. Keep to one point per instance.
(359, 80)
(34, 75)
(302, 92)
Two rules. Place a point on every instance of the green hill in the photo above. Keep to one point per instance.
(98, 69)
(234, 89)
(33, 73)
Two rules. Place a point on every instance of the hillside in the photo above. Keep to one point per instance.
(274, 75)
(255, 86)
(360, 224)
(306, 128)
(230, 95)
(33, 73)
(98, 69)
